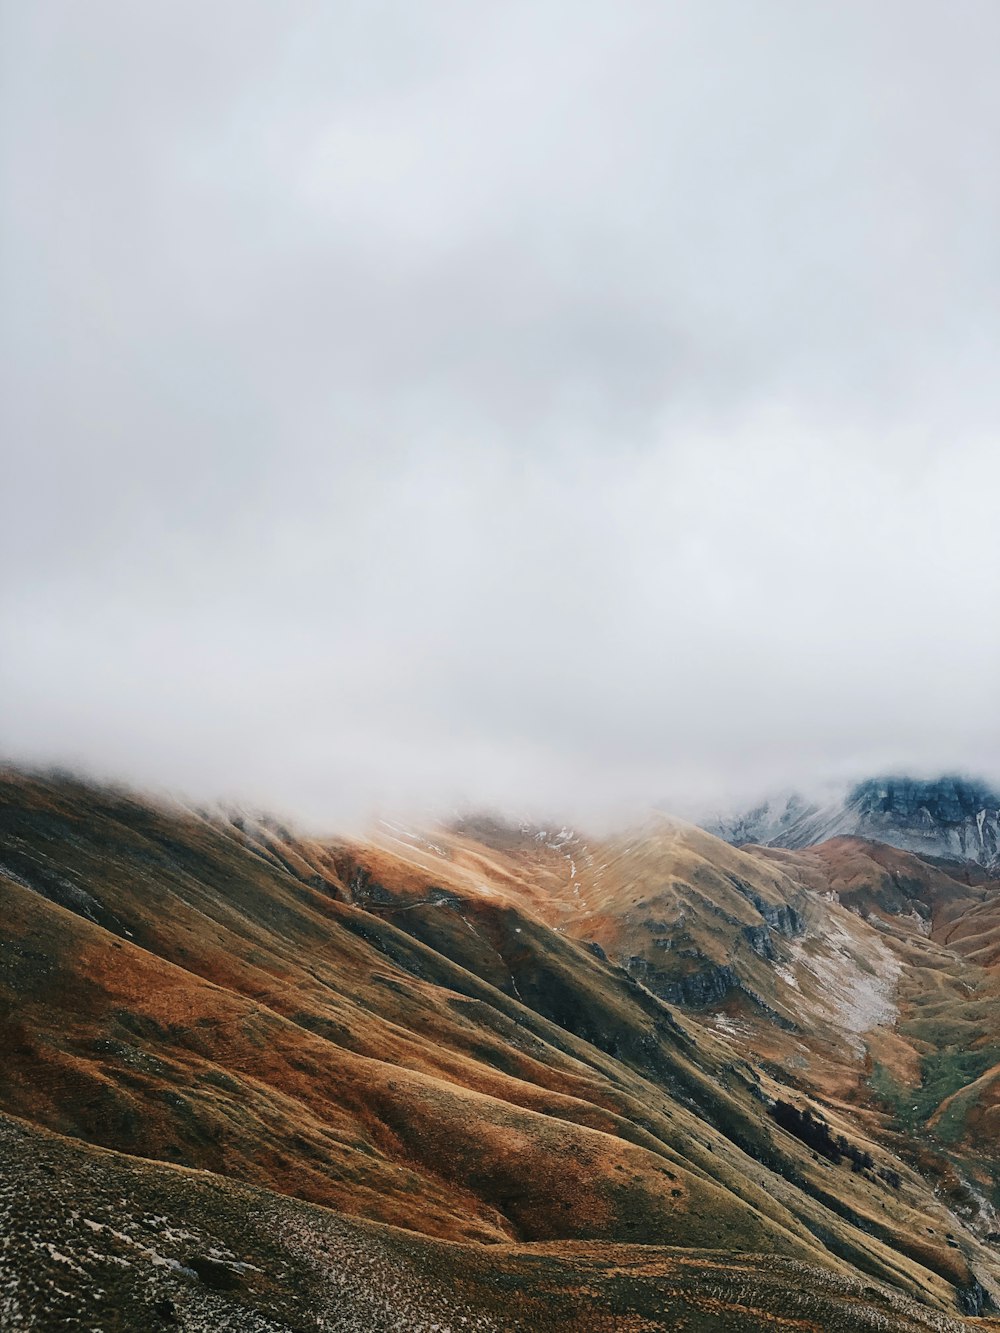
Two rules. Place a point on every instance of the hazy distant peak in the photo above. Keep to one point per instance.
(948, 816)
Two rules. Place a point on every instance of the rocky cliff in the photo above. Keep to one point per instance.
(951, 817)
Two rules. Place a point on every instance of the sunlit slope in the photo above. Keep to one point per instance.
(704, 924)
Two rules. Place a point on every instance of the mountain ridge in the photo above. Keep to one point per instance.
(950, 817)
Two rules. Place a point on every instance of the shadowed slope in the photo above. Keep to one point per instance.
(98, 1240)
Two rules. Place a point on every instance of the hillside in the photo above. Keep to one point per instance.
(253, 1080)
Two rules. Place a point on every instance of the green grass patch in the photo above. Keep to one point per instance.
(943, 1073)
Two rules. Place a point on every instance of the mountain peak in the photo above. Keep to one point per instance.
(950, 816)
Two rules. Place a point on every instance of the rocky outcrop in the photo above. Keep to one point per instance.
(950, 817)
(766, 822)
(706, 986)
(759, 939)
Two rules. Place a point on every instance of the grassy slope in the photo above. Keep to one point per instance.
(338, 1025)
(944, 924)
(96, 1240)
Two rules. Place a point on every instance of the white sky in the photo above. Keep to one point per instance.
(559, 406)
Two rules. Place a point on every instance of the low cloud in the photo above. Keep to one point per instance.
(565, 408)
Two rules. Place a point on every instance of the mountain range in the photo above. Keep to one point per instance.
(495, 1076)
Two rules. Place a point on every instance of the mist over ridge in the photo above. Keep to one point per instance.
(554, 411)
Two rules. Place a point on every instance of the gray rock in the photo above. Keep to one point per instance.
(950, 817)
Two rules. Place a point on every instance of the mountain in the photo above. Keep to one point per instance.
(949, 817)
(487, 1077)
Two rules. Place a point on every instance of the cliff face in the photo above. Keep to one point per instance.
(950, 817)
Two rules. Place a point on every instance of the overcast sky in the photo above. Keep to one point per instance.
(562, 406)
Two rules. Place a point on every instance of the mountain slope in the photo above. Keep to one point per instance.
(938, 1069)
(99, 1240)
(409, 1035)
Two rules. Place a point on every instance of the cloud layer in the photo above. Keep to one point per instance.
(559, 406)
